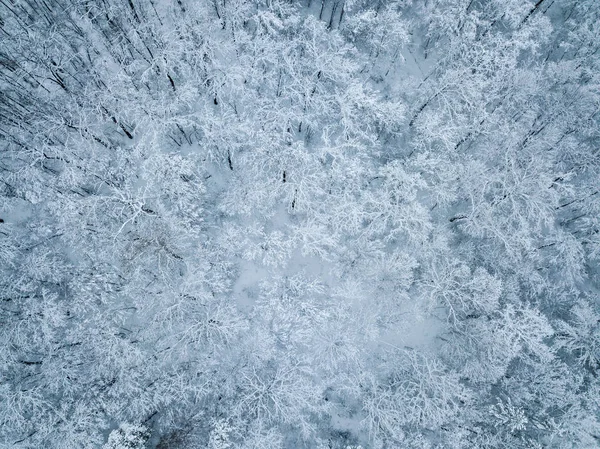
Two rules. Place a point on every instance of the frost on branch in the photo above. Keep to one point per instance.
(128, 436)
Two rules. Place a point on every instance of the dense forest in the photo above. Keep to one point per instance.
(279, 224)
